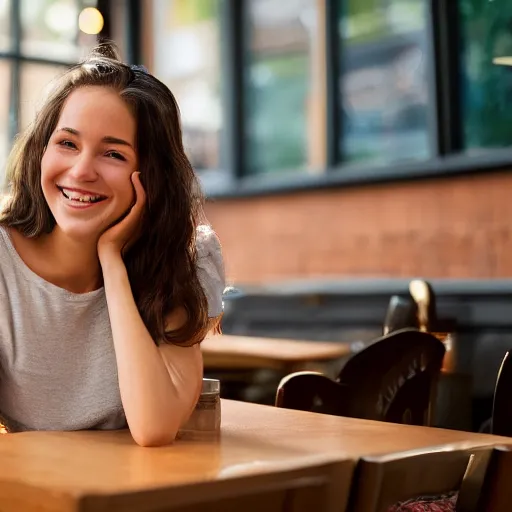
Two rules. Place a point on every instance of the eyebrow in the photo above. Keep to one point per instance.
(108, 138)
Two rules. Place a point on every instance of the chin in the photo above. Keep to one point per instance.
(81, 232)
(87, 230)
(82, 223)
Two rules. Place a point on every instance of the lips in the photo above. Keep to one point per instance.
(81, 195)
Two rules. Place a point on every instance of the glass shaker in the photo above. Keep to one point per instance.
(204, 423)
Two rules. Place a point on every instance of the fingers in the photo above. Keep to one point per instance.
(140, 194)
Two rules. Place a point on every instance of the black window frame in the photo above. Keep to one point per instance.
(444, 111)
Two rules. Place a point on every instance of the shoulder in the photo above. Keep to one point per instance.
(10, 239)
(208, 247)
(210, 268)
(207, 241)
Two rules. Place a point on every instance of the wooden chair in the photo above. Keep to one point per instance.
(486, 486)
(502, 405)
(402, 313)
(394, 379)
(418, 309)
(391, 482)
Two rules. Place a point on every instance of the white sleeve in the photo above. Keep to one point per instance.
(210, 269)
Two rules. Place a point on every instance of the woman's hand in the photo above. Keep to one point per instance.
(116, 239)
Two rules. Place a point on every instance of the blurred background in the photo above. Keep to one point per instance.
(345, 147)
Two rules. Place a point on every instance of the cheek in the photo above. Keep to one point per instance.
(49, 168)
(124, 191)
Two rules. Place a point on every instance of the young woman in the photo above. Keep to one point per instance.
(108, 280)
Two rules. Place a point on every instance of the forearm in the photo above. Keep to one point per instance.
(155, 401)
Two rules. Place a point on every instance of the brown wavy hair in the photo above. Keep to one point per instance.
(161, 264)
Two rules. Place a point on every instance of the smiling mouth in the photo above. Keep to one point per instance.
(81, 197)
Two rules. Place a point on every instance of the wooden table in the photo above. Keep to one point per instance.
(265, 456)
(248, 352)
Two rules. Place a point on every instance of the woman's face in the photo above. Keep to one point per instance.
(86, 168)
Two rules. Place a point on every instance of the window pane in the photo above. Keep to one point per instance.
(187, 60)
(285, 86)
(5, 93)
(486, 86)
(384, 84)
(5, 27)
(35, 82)
(50, 29)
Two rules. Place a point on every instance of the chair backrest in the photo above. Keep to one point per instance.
(502, 406)
(312, 392)
(486, 486)
(401, 314)
(394, 379)
(384, 483)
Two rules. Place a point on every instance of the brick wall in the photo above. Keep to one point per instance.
(457, 227)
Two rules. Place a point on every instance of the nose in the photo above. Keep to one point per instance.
(83, 168)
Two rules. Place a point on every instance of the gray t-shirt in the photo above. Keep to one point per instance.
(57, 361)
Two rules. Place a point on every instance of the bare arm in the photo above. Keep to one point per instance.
(159, 385)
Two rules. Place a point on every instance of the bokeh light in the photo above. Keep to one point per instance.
(90, 21)
(502, 61)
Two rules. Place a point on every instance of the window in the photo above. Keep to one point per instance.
(50, 28)
(50, 41)
(5, 29)
(186, 57)
(285, 98)
(35, 82)
(486, 85)
(383, 82)
(5, 91)
(326, 92)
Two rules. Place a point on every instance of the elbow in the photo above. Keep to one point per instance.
(154, 438)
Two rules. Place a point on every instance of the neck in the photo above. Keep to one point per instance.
(70, 264)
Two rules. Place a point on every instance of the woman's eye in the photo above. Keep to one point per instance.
(116, 155)
(67, 144)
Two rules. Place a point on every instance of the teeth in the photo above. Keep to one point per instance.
(75, 196)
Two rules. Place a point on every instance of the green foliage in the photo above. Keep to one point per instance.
(194, 11)
(277, 113)
(486, 33)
